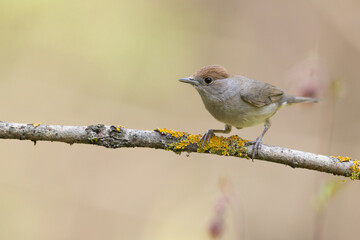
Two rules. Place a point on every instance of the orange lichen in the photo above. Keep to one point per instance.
(186, 139)
(218, 145)
(193, 138)
(355, 168)
(225, 146)
(182, 144)
(171, 132)
(118, 127)
(342, 159)
(233, 145)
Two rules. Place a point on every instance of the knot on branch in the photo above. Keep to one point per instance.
(95, 132)
(110, 137)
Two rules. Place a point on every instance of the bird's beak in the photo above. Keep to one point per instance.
(190, 80)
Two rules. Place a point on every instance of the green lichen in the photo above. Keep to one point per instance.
(94, 140)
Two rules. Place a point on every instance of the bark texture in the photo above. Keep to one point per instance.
(120, 137)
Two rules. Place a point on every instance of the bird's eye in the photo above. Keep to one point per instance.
(208, 80)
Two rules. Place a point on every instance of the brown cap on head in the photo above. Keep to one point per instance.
(214, 71)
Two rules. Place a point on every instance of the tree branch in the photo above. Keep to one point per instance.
(119, 137)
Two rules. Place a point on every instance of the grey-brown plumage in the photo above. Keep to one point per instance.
(261, 94)
(238, 101)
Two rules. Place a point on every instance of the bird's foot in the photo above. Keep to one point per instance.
(256, 147)
(205, 139)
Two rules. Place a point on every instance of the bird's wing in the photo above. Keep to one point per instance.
(261, 94)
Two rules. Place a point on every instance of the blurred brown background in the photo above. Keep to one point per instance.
(117, 62)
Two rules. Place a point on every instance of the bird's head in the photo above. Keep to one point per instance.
(206, 76)
(208, 79)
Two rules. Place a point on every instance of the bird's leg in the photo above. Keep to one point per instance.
(209, 133)
(258, 142)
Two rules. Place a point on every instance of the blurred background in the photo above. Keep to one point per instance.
(117, 62)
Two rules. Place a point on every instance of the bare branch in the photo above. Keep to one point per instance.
(119, 137)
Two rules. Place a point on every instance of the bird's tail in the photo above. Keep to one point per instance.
(292, 99)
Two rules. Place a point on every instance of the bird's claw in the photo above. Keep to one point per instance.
(256, 147)
(205, 139)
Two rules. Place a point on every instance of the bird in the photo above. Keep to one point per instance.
(238, 101)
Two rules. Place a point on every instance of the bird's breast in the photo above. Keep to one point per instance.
(232, 110)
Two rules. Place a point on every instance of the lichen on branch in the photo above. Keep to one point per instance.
(230, 146)
(117, 136)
